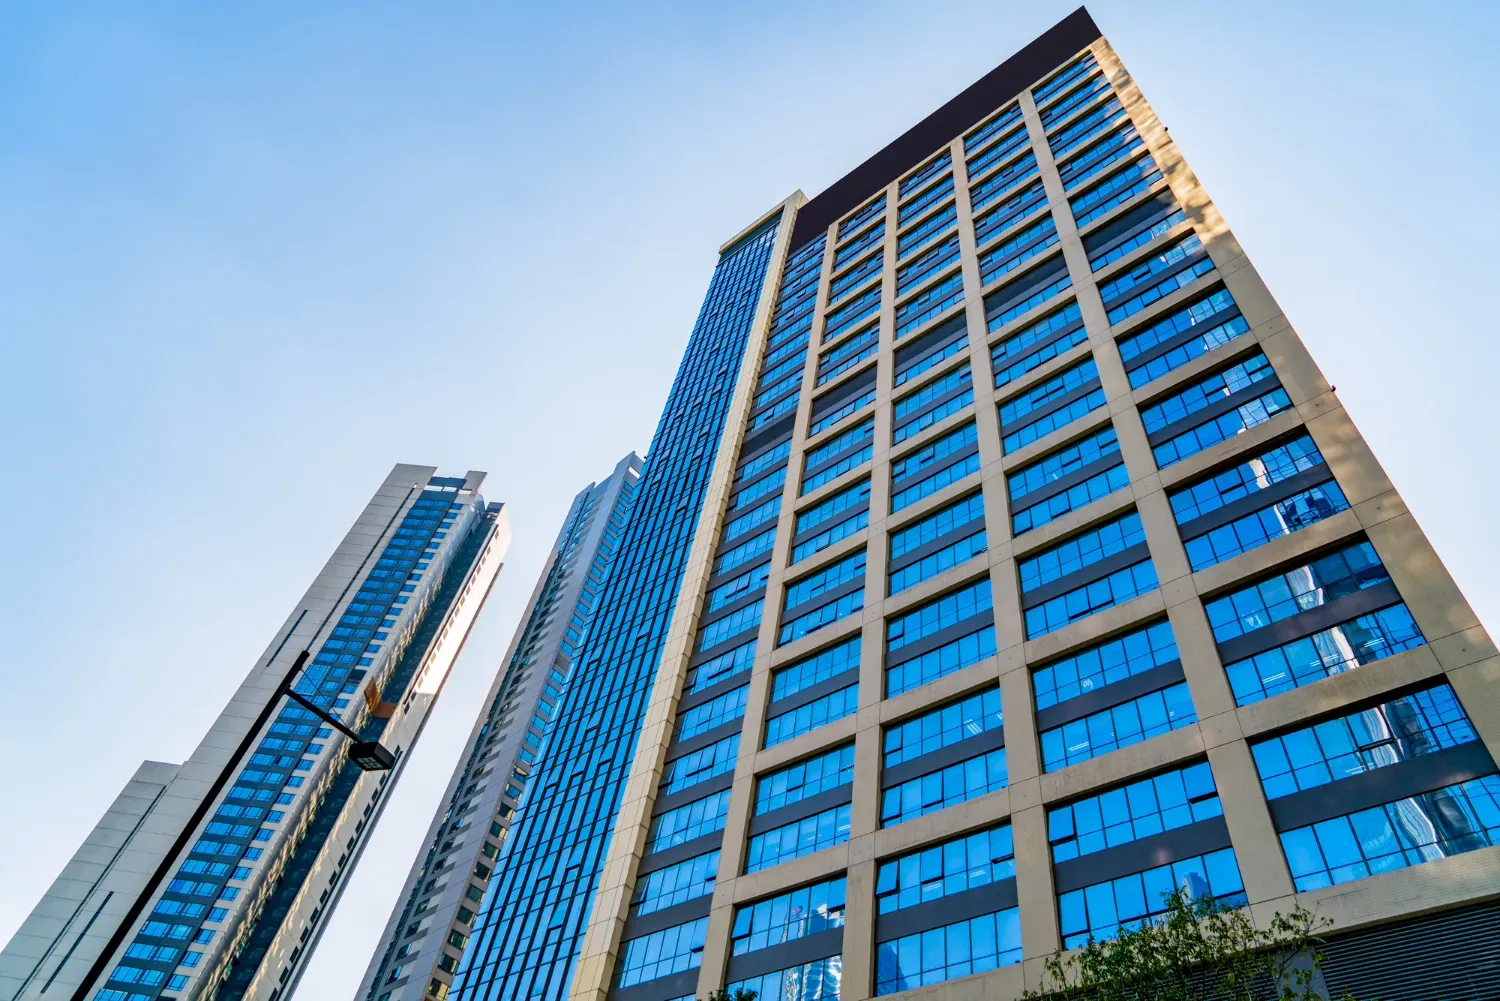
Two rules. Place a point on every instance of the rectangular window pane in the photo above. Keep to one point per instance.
(804, 911)
(802, 837)
(1449, 821)
(1119, 726)
(809, 777)
(931, 873)
(1141, 809)
(1104, 663)
(1399, 730)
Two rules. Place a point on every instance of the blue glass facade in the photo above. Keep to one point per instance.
(529, 929)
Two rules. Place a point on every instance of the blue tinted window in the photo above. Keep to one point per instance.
(1055, 85)
(957, 783)
(1115, 190)
(1019, 353)
(1103, 910)
(937, 524)
(938, 562)
(818, 618)
(1141, 809)
(1103, 664)
(716, 712)
(839, 502)
(809, 777)
(1323, 654)
(805, 718)
(1138, 239)
(1123, 142)
(1120, 726)
(1238, 482)
(733, 624)
(1449, 821)
(1303, 508)
(926, 264)
(701, 765)
(1016, 251)
(662, 953)
(949, 867)
(1073, 100)
(805, 911)
(801, 837)
(941, 661)
(743, 553)
(1282, 595)
(945, 725)
(843, 412)
(732, 590)
(835, 574)
(679, 826)
(927, 304)
(820, 666)
(1399, 730)
(928, 197)
(939, 614)
(1081, 550)
(923, 232)
(1091, 598)
(676, 884)
(943, 391)
(815, 981)
(966, 947)
(849, 353)
(1002, 181)
(843, 442)
(725, 665)
(1006, 119)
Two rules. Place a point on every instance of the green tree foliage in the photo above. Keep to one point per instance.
(738, 994)
(1200, 949)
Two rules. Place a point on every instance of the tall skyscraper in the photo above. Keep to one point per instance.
(1002, 560)
(210, 879)
(427, 932)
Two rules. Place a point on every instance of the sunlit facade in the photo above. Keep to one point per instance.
(1003, 558)
(214, 878)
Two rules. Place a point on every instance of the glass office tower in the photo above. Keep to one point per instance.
(213, 878)
(428, 931)
(1003, 561)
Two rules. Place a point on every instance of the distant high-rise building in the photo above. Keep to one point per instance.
(1002, 560)
(215, 877)
(429, 927)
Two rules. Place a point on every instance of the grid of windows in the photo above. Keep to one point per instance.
(943, 726)
(1448, 821)
(701, 765)
(805, 718)
(1102, 910)
(1320, 581)
(1104, 663)
(936, 525)
(1057, 402)
(800, 837)
(1047, 338)
(1382, 735)
(694, 820)
(716, 712)
(961, 949)
(820, 666)
(1081, 550)
(946, 868)
(945, 787)
(1175, 340)
(939, 399)
(815, 981)
(795, 783)
(676, 884)
(1179, 408)
(805, 911)
(1141, 809)
(1119, 726)
(662, 953)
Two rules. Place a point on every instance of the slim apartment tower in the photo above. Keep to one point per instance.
(1002, 561)
(429, 927)
(210, 879)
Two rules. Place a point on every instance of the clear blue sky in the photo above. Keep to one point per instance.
(251, 255)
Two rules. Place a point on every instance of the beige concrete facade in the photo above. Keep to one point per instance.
(1457, 648)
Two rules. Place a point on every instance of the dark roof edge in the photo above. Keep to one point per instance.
(999, 85)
